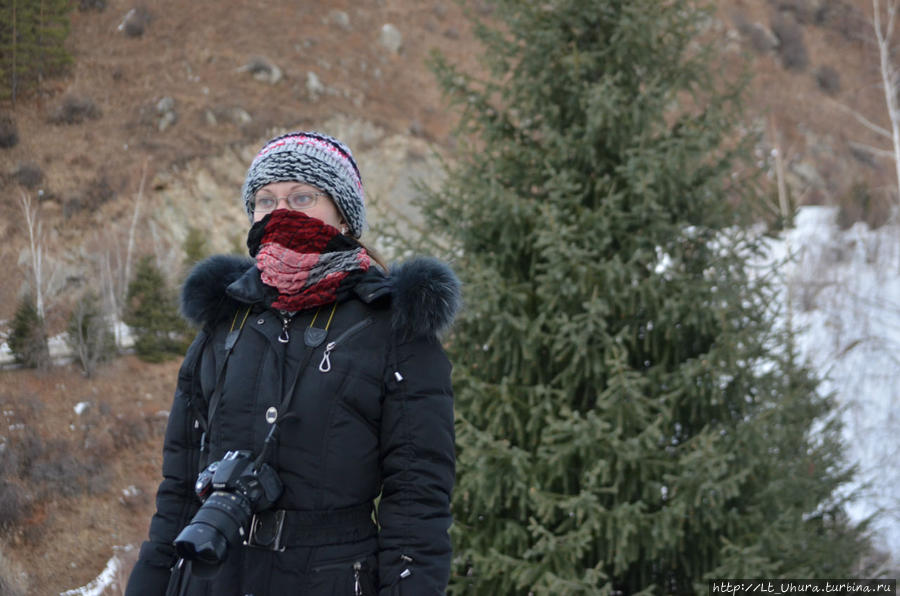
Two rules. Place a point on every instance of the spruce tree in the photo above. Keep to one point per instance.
(628, 419)
(195, 247)
(32, 43)
(152, 313)
(28, 336)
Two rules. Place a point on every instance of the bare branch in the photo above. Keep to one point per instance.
(134, 220)
(862, 119)
(873, 150)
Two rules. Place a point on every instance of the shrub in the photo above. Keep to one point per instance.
(14, 502)
(95, 5)
(828, 79)
(90, 335)
(29, 175)
(9, 134)
(791, 47)
(846, 20)
(13, 581)
(860, 204)
(28, 338)
(135, 22)
(75, 110)
(98, 192)
(803, 10)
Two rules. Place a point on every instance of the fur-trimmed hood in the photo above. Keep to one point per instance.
(424, 293)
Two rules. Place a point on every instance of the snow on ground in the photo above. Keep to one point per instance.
(60, 352)
(108, 578)
(845, 288)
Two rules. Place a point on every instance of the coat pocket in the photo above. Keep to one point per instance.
(350, 578)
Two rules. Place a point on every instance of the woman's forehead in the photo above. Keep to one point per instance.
(290, 185)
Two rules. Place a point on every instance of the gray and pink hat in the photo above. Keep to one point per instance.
(314, 158)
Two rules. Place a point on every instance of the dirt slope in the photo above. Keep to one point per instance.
(181, 106)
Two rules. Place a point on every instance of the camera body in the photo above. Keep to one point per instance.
(232, 490)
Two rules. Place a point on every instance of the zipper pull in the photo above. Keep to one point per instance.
(285, 336)
(406, 572)
(357, 588)
(325, 365)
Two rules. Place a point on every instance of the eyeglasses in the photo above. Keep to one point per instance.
(298, 201)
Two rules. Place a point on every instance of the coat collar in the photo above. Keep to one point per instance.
(424, 293)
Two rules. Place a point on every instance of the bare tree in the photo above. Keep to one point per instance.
(36, 247)
(884, 17)
(883, 22)
(89, 335)
(134, 220)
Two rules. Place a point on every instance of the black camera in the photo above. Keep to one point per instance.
(232, 490)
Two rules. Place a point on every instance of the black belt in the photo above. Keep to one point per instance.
(278, 529)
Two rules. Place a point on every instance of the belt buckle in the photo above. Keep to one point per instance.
(266, 529)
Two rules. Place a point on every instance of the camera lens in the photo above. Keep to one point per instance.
(217, 524)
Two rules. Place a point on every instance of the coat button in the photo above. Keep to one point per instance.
(260, 321)
(271, 415)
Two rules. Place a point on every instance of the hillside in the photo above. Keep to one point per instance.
(178, 112)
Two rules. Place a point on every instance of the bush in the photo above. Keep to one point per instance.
(9, 134)
(860, 204)
(828, 79)
(29, 175)
(791, 47)
(95, 5)
(90, 336)
(804, 11)
(28, 338)
(14, 502)
(846, 20)
(135, 22)
(75, 110)
(13, 581)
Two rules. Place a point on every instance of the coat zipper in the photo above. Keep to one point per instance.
(325, 364)
(357, 568)
(285, 323)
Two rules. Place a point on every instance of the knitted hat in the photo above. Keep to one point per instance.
(315, 159)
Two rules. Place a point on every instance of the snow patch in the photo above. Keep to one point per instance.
(844, 290)
(103, 581)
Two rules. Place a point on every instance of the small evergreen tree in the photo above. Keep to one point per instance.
(152, 313)
(628, 420)
(28, 336)
(195, 247)
(89, 334)
(32, 43)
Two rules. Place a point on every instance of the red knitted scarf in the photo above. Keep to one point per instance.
(305, 261)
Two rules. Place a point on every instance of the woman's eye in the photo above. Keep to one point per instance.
(265, 203)
(299, 201)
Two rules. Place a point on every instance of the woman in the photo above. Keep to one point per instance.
(318, 384)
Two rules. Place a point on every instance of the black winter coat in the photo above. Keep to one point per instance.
(372, 415)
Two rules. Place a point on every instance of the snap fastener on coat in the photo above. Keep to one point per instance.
(271, 415)
(260, 321)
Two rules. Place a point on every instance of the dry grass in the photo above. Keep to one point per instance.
(91, 172)
(77, 466)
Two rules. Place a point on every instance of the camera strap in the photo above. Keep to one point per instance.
(230, 341)
(313, 338)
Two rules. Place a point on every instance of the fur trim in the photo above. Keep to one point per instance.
(425, 293)
(203, 294)
(425, 297)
